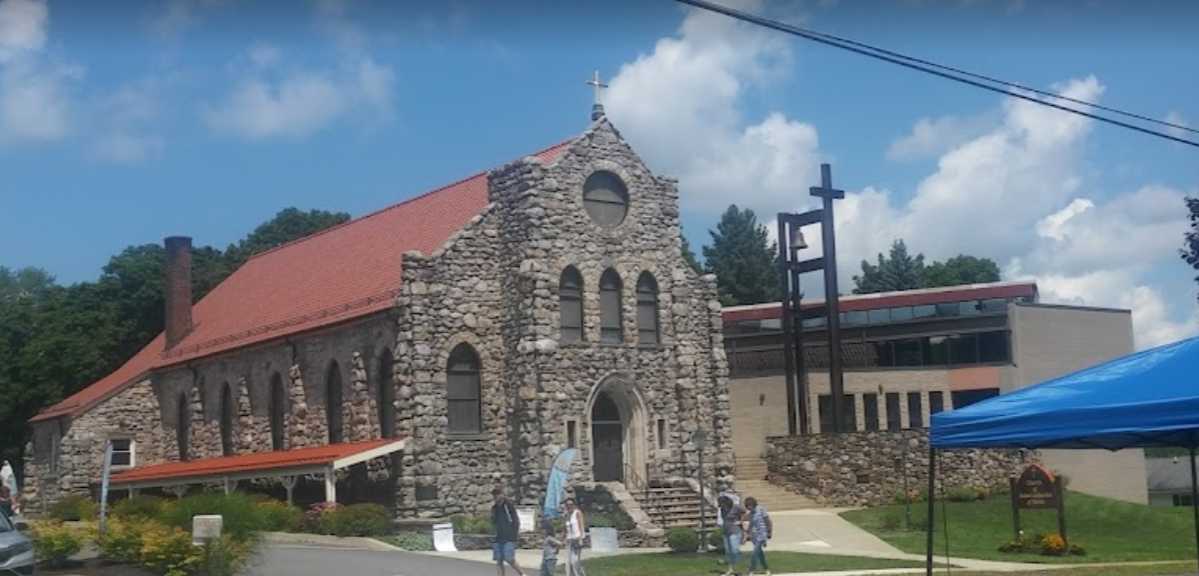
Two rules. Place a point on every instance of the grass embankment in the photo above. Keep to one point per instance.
(1109, 530)
(669, 564)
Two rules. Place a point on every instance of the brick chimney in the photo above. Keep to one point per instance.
(178, 288)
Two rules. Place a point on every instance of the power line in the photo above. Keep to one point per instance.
(946, 72)
(1002, 82)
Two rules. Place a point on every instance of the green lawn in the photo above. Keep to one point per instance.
(1166, 569)
(667, 564)
(1111, 531)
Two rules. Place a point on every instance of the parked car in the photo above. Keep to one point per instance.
(16, 550)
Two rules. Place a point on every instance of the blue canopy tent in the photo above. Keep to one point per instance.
(1146, 399)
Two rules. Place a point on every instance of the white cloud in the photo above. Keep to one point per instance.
(270, 101)
(126, 120)
(1175, 117)
(1016, 193)
(932, 137)
(295, 106)
(34, 90)
(22, 27)
(678, 107)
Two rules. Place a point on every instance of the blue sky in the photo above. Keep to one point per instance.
(124, 122)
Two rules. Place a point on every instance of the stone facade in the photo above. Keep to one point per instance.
(868, 468)
(494, 287)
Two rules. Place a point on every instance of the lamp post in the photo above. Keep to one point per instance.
(700, 439)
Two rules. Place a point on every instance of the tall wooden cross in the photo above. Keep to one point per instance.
(826, 192)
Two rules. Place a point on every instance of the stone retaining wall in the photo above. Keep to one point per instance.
(868, 468)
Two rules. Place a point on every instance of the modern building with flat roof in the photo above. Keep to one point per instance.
(908, 355)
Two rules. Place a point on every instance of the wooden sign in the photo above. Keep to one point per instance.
(1036, 488)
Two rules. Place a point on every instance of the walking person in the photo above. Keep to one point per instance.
(761, 529)
(574, 539)
(731, 519)
(507, 530)
(549, 550)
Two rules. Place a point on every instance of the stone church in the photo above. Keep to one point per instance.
(541, 305)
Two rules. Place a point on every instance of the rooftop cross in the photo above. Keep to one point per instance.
(597, 109)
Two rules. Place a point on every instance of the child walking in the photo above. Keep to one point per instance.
(761, 529)
(549, 551)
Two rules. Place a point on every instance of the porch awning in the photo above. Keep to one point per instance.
(317, 460)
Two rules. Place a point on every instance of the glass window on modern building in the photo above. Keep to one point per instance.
(915, 410)
(870, 411)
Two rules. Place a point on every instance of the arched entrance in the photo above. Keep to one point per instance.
(618, 436)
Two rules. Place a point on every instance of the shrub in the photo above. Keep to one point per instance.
(472, 524)
(54, 543)
(1053, 545)
(241, 518)
(313, 517)
(169, 550)
(1016, 546)
(122, 541)
(223, 557)
(356, 520)
(682, 540)
(962, 494)
(73, 508)
(278, 516)
(617, 520)
(143, 507)
(716, 540)
(414, 541)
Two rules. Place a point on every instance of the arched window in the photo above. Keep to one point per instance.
(278, 409)
(387, 396)
(570, 298)
(647, 309)
(463, 391)
(183, 425)
(610, 324)
(333, 402)
(226, 420)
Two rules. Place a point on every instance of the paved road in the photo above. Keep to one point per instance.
(276, 560)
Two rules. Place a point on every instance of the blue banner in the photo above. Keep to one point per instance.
(556, 484)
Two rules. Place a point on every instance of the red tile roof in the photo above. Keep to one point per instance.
(341, 273)
(245, 463)
(860, 302)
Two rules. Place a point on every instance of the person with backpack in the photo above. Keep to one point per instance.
(761, 529)
(507, 531)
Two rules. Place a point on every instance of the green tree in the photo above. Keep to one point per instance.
(1190, 250)
(289, 224)
(743, 259)
(689, 255)
(960, 269)
(54, 340)
(901, 271)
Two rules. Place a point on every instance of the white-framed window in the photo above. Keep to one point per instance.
(122, 453)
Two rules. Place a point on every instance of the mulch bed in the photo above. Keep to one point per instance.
(94, 567)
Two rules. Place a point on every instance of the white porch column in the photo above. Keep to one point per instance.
(330, 485)
(289, 484)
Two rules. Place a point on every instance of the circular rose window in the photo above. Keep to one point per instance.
(606, 198)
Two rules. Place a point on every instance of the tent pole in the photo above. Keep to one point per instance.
(932, 497)
(1195, 502)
